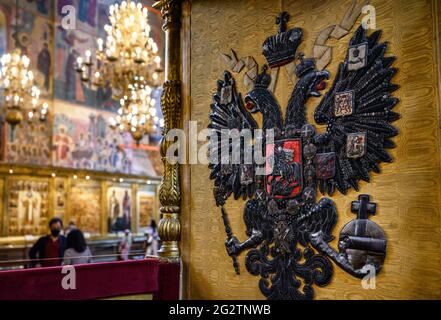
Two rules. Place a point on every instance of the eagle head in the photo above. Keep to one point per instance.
(311, 81)
(259, 96)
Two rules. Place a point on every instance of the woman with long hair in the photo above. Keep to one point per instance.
(77, 251)
(152, 239)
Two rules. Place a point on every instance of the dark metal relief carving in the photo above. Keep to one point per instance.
(288, 225)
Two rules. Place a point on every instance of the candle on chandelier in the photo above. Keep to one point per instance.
(88, 58)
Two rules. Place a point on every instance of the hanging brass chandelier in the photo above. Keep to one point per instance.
(129, 63)
(137, 114)
(17, 85)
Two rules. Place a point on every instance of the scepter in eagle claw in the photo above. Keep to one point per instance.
(229, 233)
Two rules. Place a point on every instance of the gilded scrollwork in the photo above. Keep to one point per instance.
(168, 8)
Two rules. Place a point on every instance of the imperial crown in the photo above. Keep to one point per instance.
(280, 49)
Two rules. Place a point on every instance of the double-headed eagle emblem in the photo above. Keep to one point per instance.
(288, 230)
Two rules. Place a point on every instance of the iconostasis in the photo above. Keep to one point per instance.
(73, 165)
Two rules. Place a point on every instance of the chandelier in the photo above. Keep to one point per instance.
(18, 88)
(137, 114)
(128, 62)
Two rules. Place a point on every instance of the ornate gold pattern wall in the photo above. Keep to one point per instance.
(407, 191)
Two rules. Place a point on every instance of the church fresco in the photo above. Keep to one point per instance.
(82, 139)
(28, 206)
(69, 45)
(3, 32)
(75, 136)
(35, 39)
(91, 16)
(36, 7)
(29, 143)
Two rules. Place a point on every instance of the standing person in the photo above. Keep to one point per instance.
(48, 251)
(125, 245)
(71, 226)
(152, 239)
(77, 251)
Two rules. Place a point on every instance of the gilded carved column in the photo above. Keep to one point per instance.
(169, 191)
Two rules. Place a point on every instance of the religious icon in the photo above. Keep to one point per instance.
(355, 145)
(126, 209)
(60, 196)
(113, 207)
(146, 206)
(357, 56)
(119, 209)
(344, 103)
(28, 207)
(85, 205)
(60, 201)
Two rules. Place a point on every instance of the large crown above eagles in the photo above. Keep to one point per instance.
(280, 49)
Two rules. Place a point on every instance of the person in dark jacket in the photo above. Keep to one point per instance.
(48, 251)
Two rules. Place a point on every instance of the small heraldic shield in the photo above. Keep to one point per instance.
(284, 168)
(344, 103)
(325, 165)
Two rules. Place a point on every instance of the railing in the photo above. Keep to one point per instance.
(93, 281)
(16, 256)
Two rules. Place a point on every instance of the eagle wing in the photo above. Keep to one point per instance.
(370, 91)
(228, 117)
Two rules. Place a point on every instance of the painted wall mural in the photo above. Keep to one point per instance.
(3, 32)
(34, 38)
(69, 45)
(77, 134)
(82, 139)
(92, 16)
(28, 143)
